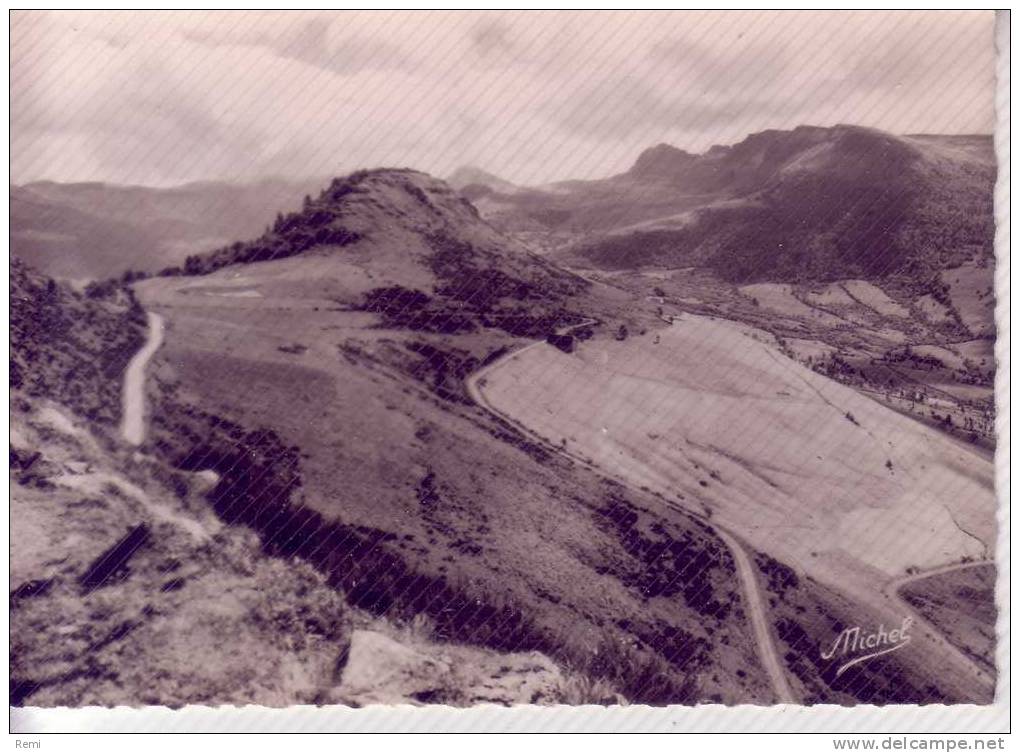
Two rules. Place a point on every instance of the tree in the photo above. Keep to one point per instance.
(622, 332)
(193, 265)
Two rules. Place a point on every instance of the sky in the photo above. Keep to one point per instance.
(166, 98)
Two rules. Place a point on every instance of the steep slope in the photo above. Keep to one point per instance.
(122, 581)
(123, 586)
(416, 252)
(319, 371)
(98, 230)
(814, 204)
(69, 347)
(847, 493)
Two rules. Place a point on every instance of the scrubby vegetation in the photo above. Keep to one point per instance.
(258, 476)
(473, 292)
(412, 309)
(808, 618)
(138, 586)
(962, 604)
(669, 566)
(469, 282)
(318, 223)
(444, 370)
(70, 347)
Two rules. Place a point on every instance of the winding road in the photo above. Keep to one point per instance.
(133, 430)
(132, 426)
(767, 652)
(892, 591)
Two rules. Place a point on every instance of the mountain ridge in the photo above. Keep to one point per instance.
(96, 230)
(436, 264)
(811, 203)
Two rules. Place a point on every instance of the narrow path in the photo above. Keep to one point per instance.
(132, 426)
(891, 590)
(921, 575)
(472, 383)
(767, 652)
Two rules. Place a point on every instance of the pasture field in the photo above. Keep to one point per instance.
(711, 411)
(711, 415)
(388, 449)
(856, 333)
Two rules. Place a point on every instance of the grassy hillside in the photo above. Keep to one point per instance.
(447, 271)
(122, 581)
(124, 578)
(807, 205)
(717, 419)
(342, 432)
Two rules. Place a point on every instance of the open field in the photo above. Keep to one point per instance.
(779, 299)
(715, 418)
(387, 448)
(854, 332)
(784, 443)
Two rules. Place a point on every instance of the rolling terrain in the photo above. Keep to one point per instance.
(715, 418)
(323, 381)
(124, 578)
(811, 204)
(847, 250)
(869, 255)
(91, 231)
(649, 440)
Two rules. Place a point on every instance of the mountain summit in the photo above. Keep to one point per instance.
(811, 203)
(662, 161)
(474, 179)
(406, 245)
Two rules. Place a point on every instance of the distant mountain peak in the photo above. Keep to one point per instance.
(661, 160)
(760, 155)
(812, 203)
(468, 176)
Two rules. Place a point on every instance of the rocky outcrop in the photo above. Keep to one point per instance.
(382, 669)
(126, 590)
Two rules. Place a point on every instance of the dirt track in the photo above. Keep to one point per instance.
(133, 395)
(800, 462)
(892, 591)
(767, 653)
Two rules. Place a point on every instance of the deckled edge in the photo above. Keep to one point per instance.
(931, 719)
(1002, 404)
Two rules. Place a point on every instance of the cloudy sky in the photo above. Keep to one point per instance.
(165, 98)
